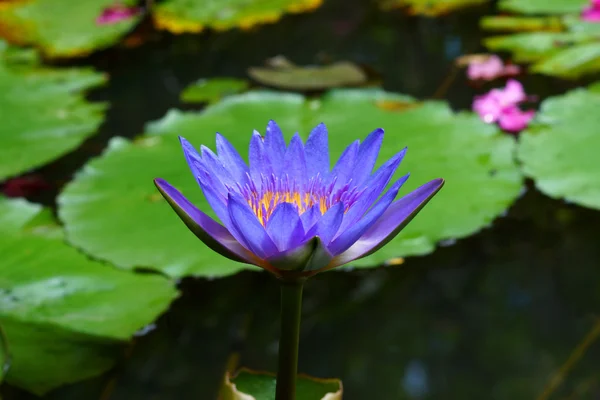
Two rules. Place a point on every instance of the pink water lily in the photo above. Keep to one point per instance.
(592, 12)
(502, 106)
(116, 13)
(489, 68)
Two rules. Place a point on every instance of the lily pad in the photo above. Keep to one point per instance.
(179, 16)
(44, 114)
(55, 300)
(559, 150)
(572, 62)
(3, 354)
(430, 7)
(249, 385)
(34, 364)
(543, 6)
(339, 74)
(558, 45)
(137, 228)
(212, 90)
(62, 28)
(521, 24)
(534, 46)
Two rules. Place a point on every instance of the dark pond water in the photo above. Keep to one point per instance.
(494, 316)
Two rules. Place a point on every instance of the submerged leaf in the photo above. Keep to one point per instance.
(53, 299)
(212, 90)
(251, 385)
(475, 158)
(310, 78)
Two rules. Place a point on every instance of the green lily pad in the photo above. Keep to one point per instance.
(563, 46)
(44, 112)
(179, 16)
(137, 228)
(3, 354)
(310, 78)
(55, 300)
(212, 90)
(511, 23)
(559, 150)
(250, 385)
(34, 364)
(533, 46)
(572, 62)
(62, 28)
(543, 6)
(430, 7)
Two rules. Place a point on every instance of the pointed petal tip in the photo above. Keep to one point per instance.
(159, 182)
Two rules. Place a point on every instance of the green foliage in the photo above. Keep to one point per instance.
(430, 7)
(55, 300)
(44, 114)
(212, 90)
(62, 28)
(261, 386)
(559, 151)
(137, 228)
(310, 78)
(543, 6)
(558, 45)
(180, 16)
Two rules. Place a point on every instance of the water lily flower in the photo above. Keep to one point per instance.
(592, 12)
(514, 120)
(501, 106)
(116, 13)
(288, 211)
(489, 68)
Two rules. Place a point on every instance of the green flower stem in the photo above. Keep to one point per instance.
(291, 310)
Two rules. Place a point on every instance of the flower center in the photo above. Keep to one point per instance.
(263, 204)
(275, 191)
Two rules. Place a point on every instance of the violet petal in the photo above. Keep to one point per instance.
(395, 218)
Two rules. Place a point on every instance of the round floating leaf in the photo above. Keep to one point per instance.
(212, 90)
(560, 150)
(572, 62)
(180, 16)
(62, 28)
(430, 7)
(564, 46)
(249, 385)
(533, 46)
(55, 300)
(137, 228)
(3, 354)
(520, 24)
(543, 6)
(45, 356)
(44, 114)
(310, 78)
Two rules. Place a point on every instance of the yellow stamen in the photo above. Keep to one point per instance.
(264, 206)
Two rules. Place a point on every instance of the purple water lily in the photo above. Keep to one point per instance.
(287, 210)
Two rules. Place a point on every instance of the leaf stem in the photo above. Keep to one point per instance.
(289, 339)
